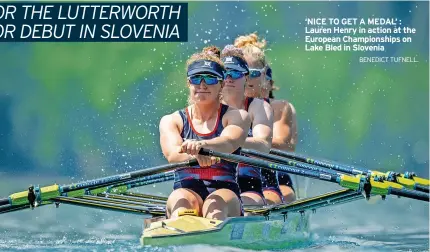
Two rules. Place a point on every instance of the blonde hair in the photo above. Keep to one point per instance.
(272, 85)
(202, 56)
(252, 48)
(231, 50)
(212, 50)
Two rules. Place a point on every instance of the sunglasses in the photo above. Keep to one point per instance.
(234, 74)
(209, 79)
(255, 73)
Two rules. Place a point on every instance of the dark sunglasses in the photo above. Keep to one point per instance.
(234, 74)
(255, 73)
(209, 79)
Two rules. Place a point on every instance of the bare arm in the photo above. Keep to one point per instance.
(283, 128)
(237, 123)
(170, 138)
(294, 134)
(262, 124)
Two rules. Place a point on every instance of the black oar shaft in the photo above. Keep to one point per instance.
(126, 176)
(134, 184)
(50, 192)
(410, 194)
(285, 161)
(270, 166)
(392, 177)
(422, 188)
(370, 187)
(298, 157)
(4, 201)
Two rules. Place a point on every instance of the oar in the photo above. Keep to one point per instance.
(285, 161)
(147, 180)
(36, 195)
(407, 179)
(369, 186)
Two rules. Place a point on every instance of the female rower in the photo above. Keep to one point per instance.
(255, 57)
(260, 134)
(210, 188)
(285, 131)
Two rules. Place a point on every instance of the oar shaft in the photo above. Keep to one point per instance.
(126, 176)
(422, 188)
(298, 157)
(408, 180)
(143, 181)
(270, 166)
(369, 186)
(53, 191)
(285, 161)
(410, 194)
(150, 182)
(4, 201)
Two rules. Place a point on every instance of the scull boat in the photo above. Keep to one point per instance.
(251, 232)
(269, 227)
(262, 232)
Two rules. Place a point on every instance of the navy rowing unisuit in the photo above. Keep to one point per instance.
(205, 180)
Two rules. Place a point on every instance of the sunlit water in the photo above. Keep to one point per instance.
(393, 225)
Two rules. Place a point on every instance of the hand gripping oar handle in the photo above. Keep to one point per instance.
(368, 185)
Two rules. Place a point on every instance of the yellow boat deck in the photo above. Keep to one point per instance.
(252, 232)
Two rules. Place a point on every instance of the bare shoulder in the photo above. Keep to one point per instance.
(240, 114)
(293, 109)
(237, 117)
(171, 120)
(257, 102)
(260, 108)
(281, 107)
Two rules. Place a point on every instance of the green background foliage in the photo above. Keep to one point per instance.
(92, 108)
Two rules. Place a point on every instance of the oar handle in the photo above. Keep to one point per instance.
(410, 194)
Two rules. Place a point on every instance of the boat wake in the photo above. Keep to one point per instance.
(322, 240)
